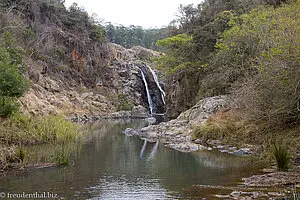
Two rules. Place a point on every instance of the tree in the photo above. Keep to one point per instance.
(13, 83)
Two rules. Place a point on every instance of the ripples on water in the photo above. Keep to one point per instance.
(113, 166)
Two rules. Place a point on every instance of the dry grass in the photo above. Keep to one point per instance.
(232, 130)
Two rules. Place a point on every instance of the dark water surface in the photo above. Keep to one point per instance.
(112, 166)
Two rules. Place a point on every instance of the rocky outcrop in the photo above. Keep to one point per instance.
(117, 52)
(177, 133)
(46, 97)
(123, 76)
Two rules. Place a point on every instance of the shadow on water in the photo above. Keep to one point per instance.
(113, 166)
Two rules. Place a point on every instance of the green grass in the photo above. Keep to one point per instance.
(238, 133)
(22, 129)
(19, 132)
(281, 155)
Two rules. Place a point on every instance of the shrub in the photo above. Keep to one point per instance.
(12, 82)
(261, 55)
(8, 107)
(123, 103)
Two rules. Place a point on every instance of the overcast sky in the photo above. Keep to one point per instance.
(146, 13)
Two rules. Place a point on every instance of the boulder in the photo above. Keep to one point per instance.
(139, 112)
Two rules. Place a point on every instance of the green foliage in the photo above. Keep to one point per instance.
(280, 153)
(55, 129)
(22, 129)
(62, 155)
(272, 94)
(98, 33)
(8, 106)
(12, 82)
(123, 103)
(60, 53)
(217, 130)
(179, 54)
(20, 154)
(134, 36)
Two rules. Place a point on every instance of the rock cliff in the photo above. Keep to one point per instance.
(118, 86)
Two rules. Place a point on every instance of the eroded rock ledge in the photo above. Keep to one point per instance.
(177, 133)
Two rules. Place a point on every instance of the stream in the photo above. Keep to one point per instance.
(110, 165)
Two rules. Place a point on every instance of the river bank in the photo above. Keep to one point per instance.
(179, 133)
(120, 166)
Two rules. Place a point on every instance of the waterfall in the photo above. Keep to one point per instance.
(162, 92)
(147, 91)
(143, 149)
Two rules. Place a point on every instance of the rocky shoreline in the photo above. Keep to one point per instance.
(177, 134)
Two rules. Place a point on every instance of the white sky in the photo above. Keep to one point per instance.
(146, 13)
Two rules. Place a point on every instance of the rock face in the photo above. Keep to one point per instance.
(118, 86)
(177, 133)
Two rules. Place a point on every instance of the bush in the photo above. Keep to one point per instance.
(123, 103)
(12, 82)
(260, 55)
(8, 107)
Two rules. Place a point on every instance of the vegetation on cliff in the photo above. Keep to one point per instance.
(38, 38)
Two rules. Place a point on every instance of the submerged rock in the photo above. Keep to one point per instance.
(130, 132)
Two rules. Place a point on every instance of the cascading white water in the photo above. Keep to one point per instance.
(162, 92)
(143, 149)
(147, 91)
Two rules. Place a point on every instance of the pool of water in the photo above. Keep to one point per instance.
(110, 165)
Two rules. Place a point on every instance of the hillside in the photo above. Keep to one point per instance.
(71, 67)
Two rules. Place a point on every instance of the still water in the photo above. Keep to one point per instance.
(110, 165)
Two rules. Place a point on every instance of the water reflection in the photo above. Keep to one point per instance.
(109, 166)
